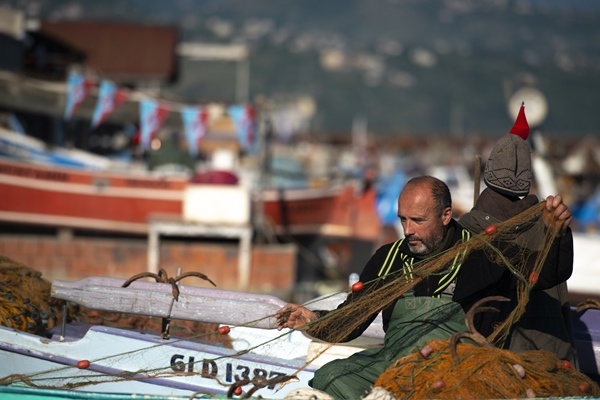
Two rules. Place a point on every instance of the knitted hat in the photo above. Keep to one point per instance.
(508, 169)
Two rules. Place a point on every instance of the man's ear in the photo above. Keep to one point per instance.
(447, 215)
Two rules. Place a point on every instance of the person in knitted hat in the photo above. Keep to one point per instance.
(508, 169)
(546, 323)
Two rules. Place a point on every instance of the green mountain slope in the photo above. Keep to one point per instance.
(412, 66)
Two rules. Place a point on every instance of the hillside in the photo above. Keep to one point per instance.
(406, 66)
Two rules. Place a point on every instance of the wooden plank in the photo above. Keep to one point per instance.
(156, 299)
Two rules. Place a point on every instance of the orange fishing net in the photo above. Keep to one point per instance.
(431, 372)
(482, 373)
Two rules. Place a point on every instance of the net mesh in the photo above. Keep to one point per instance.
(25, 302)
(505, 245)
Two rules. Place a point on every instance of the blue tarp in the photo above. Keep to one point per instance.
(388, 190)
(589, 212)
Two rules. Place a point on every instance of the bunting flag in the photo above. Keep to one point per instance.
(152, 116)
(244, 120)
(194, 122)
(78, 87)
(109, 98)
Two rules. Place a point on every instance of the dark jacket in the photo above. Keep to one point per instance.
(492, 208)
(546, 323)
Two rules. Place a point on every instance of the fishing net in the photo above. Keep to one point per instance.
(434, 371)
(504, 244)
(25, 302)
(482, 373)
(449, 369)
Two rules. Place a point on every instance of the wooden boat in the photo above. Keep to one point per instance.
(51, 195)
(82, 191)
(262, 361)
(113, 360)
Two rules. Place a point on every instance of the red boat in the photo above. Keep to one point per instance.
(124, 201)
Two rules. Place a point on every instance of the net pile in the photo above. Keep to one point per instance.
(482, 373)
(25, 299)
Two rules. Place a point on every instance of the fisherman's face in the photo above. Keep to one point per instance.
(424, 227)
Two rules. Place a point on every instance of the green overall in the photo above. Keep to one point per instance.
(414, 322)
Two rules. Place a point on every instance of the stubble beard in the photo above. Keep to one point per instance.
(426, 247)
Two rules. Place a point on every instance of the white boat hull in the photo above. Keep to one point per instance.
(125, 361)
(122, 361)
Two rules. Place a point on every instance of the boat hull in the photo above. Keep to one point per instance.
(43, 195)
(115, 360)
(122, 361)
(125, 202)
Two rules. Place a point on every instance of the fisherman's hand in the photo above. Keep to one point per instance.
(294, 316)
(556, 207)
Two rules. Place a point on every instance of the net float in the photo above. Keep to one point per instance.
(490, 230)
(358, 286)
(224, 330)
(533, 278)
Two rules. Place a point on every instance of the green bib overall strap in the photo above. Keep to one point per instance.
(390, 258)
(447, 281)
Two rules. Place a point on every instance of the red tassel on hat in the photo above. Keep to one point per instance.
(521, 127)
